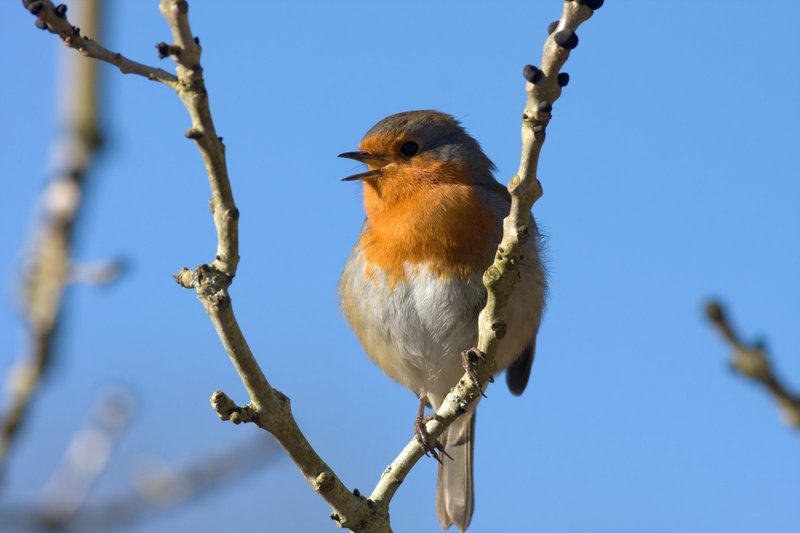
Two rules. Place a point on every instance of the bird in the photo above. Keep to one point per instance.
(412, 286)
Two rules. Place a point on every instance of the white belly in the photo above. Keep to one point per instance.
(416, 329)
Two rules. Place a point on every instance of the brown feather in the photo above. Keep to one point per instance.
(455, 498)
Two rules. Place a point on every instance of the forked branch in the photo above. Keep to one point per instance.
(269, 408)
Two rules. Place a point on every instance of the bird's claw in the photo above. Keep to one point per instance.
(468, 360)
(428, 444)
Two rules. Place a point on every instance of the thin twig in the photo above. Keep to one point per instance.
(751, 361)
(47, 266)
(53, 19)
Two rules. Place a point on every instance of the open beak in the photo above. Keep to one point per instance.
(368, 159)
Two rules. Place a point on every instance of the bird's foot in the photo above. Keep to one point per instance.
(469, 358)
(429, 444)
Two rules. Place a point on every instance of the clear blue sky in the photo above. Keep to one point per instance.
(670, 174)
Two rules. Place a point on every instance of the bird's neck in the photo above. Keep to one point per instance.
(445, 228)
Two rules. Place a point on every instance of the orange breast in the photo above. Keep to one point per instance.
(427, 215)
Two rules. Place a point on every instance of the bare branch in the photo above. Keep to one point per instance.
(544, 88)
(47, 266)
(268, 408)
(54, 19)
(752, 362)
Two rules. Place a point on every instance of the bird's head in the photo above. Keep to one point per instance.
(418, 149)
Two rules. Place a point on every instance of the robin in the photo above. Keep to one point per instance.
(412, 288)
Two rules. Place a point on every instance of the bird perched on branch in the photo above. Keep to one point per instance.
(412, 288)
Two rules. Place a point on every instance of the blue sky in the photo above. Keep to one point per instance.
(670, 174)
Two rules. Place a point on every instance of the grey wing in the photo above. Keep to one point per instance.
(519, 372)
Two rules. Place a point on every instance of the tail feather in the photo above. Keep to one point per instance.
(455, 499)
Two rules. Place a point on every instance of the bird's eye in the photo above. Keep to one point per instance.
(409, 149)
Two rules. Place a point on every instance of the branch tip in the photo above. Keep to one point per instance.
(185, 278)
(715, 311)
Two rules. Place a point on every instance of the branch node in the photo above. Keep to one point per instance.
(193, 133)
(324, 482)
(227, 409)
(165, 50)
(185, 278)
(499, 327)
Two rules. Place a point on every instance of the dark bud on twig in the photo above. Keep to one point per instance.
(552, 26)
(193, 134)
(566, 39)
(197, 41)
(163, 50)
(61, 10)
(563, 79)
(544, 106)
(592, 4)
(42, 25)
(35, 7)
(531, 73)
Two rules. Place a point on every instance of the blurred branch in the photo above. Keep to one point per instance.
(155, 490)
(753, 362)
(47, 266)
(543, 88)
(86, 459)
(97, 272)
